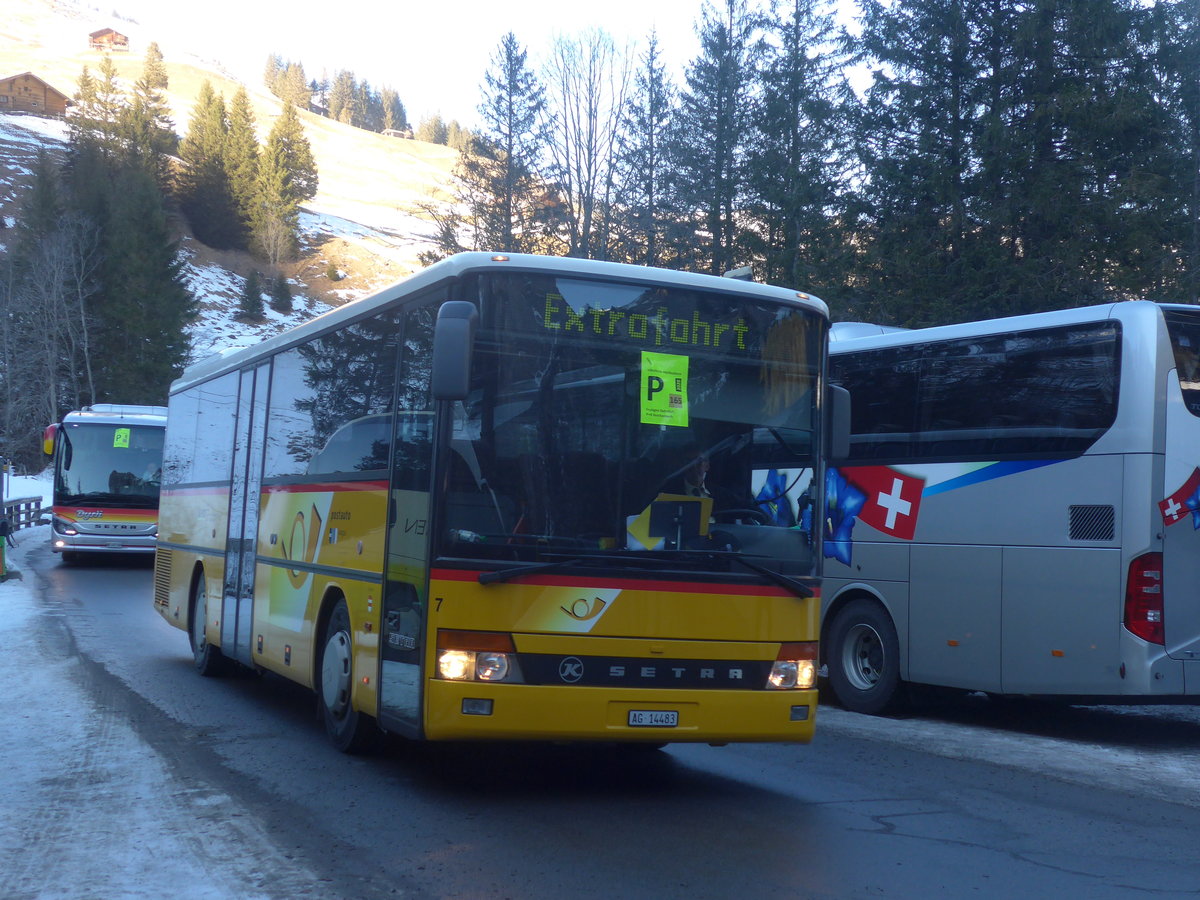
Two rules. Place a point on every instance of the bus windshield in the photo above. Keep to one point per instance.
(113, 465)
(620, 418)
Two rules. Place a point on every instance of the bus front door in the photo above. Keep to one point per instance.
(237, 604)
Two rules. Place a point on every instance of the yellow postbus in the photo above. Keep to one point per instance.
(468, 507)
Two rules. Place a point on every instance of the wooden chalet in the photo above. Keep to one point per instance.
(26, 93)
(108, 39)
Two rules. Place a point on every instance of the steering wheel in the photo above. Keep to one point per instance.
(757, 516)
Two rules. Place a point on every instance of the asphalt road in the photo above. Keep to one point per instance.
(165, 783)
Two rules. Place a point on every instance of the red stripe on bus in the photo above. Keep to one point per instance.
(329, 487)
(627, 584)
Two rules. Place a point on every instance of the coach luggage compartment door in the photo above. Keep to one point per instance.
(241, 545)
(1180, 523)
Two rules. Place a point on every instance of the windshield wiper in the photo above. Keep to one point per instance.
(505, 574)
(796, 587)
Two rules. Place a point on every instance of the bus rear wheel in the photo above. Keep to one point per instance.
(209, 660)
(863, 654)
(349, 730)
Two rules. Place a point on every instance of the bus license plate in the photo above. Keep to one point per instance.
(653, 718)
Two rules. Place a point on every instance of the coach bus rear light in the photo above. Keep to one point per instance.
(795, 667)
(1144, 598)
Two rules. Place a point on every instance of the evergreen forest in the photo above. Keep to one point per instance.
(947, 160)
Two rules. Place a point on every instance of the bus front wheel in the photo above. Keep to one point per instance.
(350, 730)
(863, 654)
(209, 660)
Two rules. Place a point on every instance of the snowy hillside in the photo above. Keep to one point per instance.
(215, 286)
(366, 223)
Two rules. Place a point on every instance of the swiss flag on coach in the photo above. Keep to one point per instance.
(893, 499)
(1184, 502)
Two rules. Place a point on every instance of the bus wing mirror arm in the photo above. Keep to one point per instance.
(453, 338)
(839, 421)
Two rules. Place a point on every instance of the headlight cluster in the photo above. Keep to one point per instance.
(62, 526)
(795, 668)
(477, 656)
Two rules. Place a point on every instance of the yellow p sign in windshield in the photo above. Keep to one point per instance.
(121, 438)
(664, 389)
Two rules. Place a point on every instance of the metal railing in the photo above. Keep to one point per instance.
(22, 512)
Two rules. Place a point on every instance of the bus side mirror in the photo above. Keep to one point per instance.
(838, 399)
(453, 338)
(48, 437)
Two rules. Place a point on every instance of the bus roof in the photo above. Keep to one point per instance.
(1125, 309)
(117, 413)
(463, 264)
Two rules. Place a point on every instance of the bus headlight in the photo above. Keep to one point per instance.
(476, 656)
(456, 665)
(795, 669)
(62, 526)
(491, 666)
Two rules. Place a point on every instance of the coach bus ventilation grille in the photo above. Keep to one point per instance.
(162, 578)
(1093, 523)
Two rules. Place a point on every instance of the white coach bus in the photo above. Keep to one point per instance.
(1019, 513)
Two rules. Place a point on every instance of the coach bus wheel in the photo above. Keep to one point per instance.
(863, 654)
(208, 659)
(349, 730)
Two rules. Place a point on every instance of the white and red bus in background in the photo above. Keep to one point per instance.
(1019, 513)
(107, 470)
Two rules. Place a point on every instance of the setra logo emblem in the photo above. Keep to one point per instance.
(570, 669)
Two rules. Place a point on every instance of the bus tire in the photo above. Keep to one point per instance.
(349, 730)
(863, 654)
(208, 658)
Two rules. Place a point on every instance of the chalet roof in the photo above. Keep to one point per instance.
(104, 31)
(41, 81)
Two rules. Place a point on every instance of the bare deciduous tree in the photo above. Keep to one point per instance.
(587, 79)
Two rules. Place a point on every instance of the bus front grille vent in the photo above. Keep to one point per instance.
(1093, 523)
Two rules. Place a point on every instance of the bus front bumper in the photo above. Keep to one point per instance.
(476, 711)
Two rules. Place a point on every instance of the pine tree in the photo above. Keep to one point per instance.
(107, 108)
(205, 193)
(394, 117)
(502, 174)
(295, 89)
(342, 97)
(84, 122)
(276, 222)
(250, 301)
(143, 306)
(797, 155)
(148, 131)
(154, 70)
(644, 165)
(281, 295)
(273, 74)
(432, 129)
(295, 154)
(710, 142)
(240, 159)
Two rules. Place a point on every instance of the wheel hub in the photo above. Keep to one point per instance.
(862, 657)
(335, 673)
